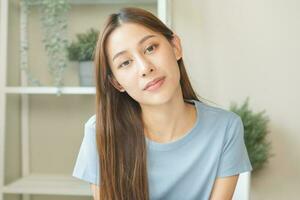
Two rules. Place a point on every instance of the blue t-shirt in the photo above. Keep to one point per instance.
(187, 167)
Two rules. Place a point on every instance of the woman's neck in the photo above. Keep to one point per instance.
(167, 122)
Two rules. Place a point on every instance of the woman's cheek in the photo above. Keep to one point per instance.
(131, 86)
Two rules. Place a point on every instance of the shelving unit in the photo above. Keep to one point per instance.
(50, 90)
(55, 184)
(46, 184)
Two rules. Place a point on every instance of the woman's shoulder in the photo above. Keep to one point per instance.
(213, 112)
(224, 123)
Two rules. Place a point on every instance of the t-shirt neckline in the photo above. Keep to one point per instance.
(179, 141)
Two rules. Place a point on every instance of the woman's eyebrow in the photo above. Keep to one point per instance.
(140, 42)
(145, 38)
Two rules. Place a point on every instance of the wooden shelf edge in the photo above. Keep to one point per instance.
(50, 90)
(48, 184)
(85, 2)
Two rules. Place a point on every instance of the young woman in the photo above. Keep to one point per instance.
(151, 137)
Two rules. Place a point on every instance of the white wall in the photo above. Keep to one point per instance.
(235, 49)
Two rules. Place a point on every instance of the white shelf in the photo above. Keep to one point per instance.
(84, 2)
(50, 90)
(49, 184)
(111, 1)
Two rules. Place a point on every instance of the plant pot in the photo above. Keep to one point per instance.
(86, 73)
(242, 190)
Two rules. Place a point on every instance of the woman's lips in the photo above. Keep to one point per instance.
(156, 85)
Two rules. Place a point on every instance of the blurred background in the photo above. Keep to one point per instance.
(232, 50)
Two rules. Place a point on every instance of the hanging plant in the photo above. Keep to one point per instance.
(54, 25)
(24, 5)
(255, 132)
(54, 21)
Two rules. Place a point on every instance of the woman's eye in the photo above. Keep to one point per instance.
(151, 48)
(124, 63)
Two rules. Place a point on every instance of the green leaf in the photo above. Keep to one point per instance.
(255, 132)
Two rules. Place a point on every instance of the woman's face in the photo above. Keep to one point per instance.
(137, 56)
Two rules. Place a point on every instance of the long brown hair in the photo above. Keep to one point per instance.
(119, 126)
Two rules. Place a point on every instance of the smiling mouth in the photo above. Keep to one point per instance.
(156, 85)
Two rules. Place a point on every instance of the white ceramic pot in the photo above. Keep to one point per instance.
(86, 73)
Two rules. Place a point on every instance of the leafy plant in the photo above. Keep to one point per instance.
(83, 48)
(54, 22)
(54, 25)
(255, 132)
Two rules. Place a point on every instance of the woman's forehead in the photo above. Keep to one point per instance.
(130, 30)
(127, 35)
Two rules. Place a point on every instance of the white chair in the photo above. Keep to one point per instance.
(242, 190)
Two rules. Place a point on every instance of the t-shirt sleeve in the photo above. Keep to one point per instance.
(87, 165)
(234, 157)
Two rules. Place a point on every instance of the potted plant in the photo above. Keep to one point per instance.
(82, 50)
(255, 132)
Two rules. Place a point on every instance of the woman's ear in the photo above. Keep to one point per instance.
(115, 83)
(177, 46)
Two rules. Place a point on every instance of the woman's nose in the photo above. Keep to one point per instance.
(145, 74)
(145, 66)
